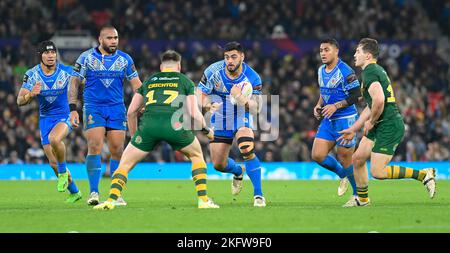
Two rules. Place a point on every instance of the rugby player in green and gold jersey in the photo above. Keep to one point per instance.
(164, 95)
(383, 129)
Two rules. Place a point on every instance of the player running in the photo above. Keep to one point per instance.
(220, 81)
(163, 94)
(49, 82)
(339, 91)
(383, 128)
(103, 69)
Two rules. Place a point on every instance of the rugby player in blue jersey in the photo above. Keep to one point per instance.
(339, 91)
(103, 70)
(220, 82)
(49, 82)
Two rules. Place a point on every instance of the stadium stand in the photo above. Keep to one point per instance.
(420, 87)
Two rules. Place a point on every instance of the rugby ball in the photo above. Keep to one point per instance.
(246, 90)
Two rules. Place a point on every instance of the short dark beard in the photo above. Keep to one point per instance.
(108, 50)
(236, 68)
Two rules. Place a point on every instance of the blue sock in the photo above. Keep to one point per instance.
(113, 165)
(233, 168)
(253, 169)
(62, 167)
(330, 163)
(72, 187)
(351, 178)
(94, 170)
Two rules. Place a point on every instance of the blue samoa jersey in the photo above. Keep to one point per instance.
(216, 83)
(334, 87)
(104, 76)
(53, 97)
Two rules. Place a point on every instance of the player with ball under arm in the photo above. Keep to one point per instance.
(222, 90)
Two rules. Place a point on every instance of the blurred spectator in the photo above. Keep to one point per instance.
(225, 19)
(35, 154)
(437, 152)
(278, 33)
(13, 158)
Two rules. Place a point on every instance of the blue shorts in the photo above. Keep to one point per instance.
(46, 125)
(328, 129)
(109, 117)
(227, 127)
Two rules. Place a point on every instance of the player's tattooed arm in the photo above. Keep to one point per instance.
(135, 84)
(75, 84)
(353, 98)
(341, 104)
(25, 96)
(354, 95)
(329, 110)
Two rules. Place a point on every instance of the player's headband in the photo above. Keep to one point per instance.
(46, 46)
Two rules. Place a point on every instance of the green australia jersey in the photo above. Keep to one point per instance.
(165, 92)
(375, 73)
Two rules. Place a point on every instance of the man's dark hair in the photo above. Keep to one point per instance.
(46, 45)
(106, 27)
(233, 46)
(170, 55)
(331, 41)
(369, 45)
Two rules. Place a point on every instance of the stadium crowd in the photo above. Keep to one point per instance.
(221, 19)
(419, 75)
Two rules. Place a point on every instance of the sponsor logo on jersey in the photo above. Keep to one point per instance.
(90, 121)
(203, 80)
(334, 81)
(77, 67)
(395, 147)
(138, 139)
(351, 78)
(168, 78)
(258, 87)
(177, 126)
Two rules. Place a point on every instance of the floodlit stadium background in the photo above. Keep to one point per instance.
(281, 40)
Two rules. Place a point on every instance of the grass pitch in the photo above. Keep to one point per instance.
(170, 206)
